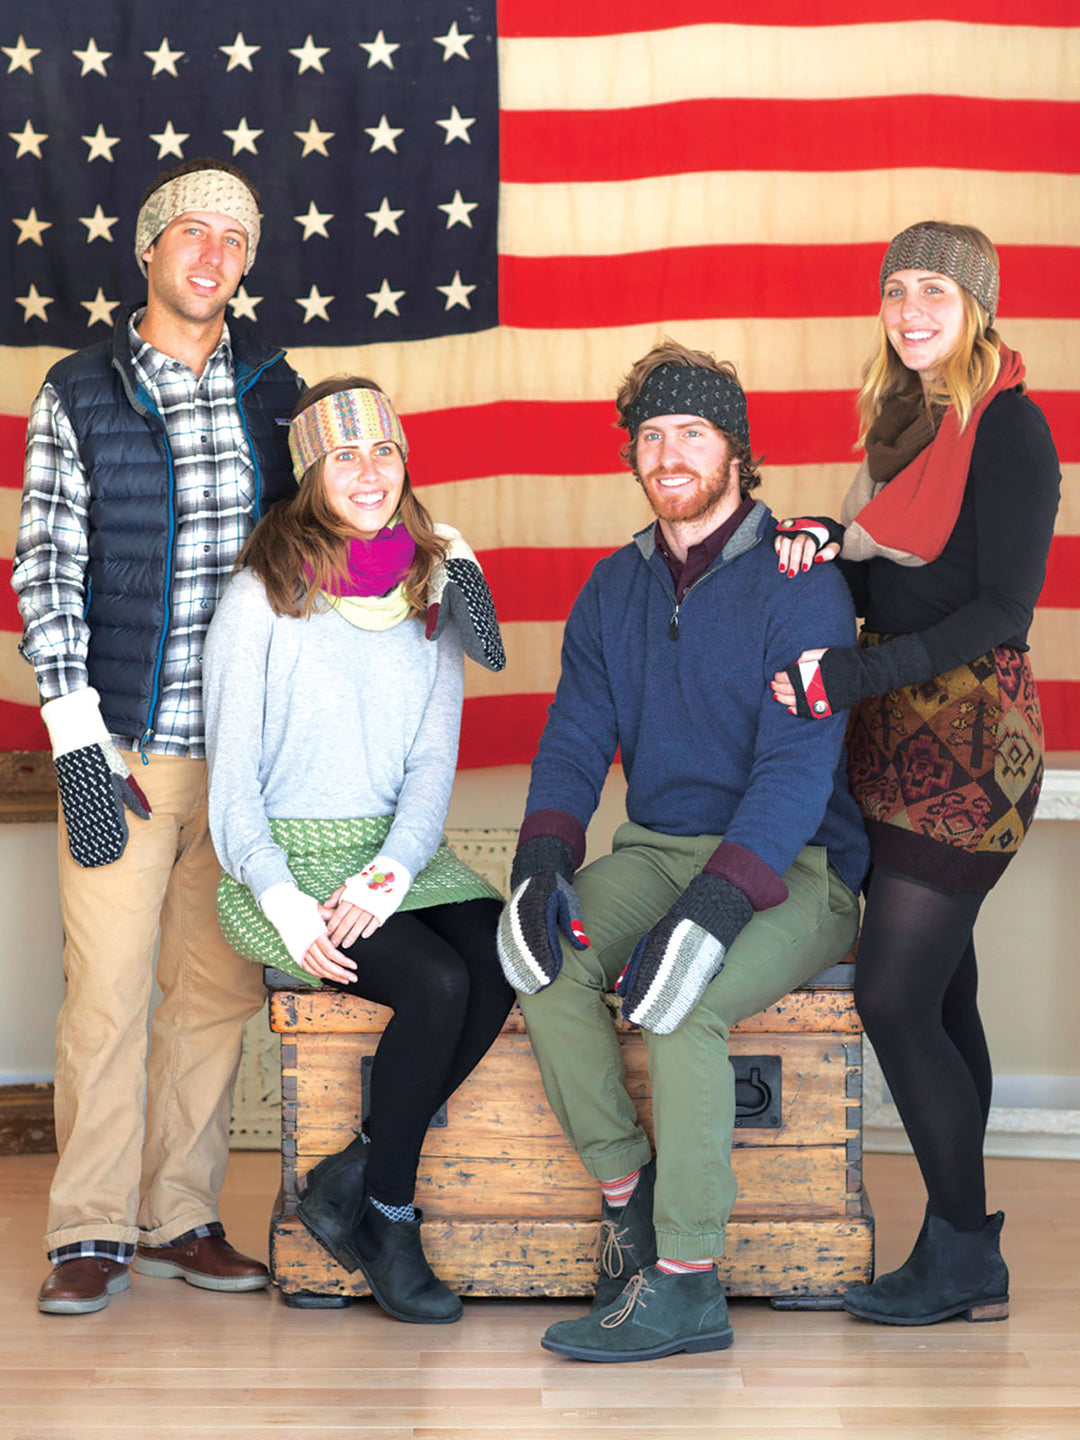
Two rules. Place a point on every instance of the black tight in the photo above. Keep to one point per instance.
(438, 971)
(915, 988)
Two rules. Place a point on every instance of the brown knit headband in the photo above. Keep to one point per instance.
(928, 247)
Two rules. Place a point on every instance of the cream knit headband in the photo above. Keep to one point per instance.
(342, 419)
(213, 190)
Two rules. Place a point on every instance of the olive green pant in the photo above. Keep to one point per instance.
(573, 1036)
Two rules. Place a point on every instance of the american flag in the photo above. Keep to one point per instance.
(494, 209)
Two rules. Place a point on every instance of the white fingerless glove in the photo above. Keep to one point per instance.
(294, 915)
(95, 785)
(379, 888)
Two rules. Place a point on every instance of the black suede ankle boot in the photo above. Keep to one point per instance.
(395, 1266)
(334, 1193)
(949, 1272)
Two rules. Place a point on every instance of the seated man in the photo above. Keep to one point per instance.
(734, 878)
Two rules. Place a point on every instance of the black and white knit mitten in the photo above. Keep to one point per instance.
(667, 974)
(94, 783)
(542, 907)
(458, 595)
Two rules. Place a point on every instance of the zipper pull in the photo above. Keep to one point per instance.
(142, 744)
(673, 625)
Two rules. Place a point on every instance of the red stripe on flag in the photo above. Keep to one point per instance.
(747, 281)
(21, 727)
(12, 449)
(1062, 587)
(501, 729)
(10, 619)
(686, 136)
(519, 19)
(536, 583)
(1060, 704)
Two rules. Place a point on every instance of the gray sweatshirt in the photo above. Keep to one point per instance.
(318, 719)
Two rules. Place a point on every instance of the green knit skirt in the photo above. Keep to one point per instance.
(322, 854)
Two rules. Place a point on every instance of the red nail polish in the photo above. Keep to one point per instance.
(806, 566)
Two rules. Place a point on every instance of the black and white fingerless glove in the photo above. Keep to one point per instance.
(667, 974)
(543, 905)
(94, 783)
(822, 529)
(846, 674)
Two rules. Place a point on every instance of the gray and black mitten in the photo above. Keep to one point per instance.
(667, 974)
(543, 905)
(94, 783)
(458, 595)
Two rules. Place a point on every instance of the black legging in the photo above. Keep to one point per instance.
(438, 970)
(915, 988)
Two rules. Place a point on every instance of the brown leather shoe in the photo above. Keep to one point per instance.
(211, 1263)
(76, 1287)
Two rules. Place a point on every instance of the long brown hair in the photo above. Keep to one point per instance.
(968, 372)
(300, 546)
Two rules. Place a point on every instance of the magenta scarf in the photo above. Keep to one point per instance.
(377, 565)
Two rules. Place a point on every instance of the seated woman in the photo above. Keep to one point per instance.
(333, 692)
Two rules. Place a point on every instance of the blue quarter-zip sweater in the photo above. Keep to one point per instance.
(705, 748)
(124, 449)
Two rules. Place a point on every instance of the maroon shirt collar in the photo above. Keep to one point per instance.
(700, 556)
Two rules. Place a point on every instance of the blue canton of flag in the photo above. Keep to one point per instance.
(370, 130)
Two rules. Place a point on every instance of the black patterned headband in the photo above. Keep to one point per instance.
(928, 247)
(673, 389)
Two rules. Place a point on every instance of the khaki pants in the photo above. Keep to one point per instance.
(693, 1086)
(143, 1146)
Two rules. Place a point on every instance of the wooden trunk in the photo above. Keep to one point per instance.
(509, 1209)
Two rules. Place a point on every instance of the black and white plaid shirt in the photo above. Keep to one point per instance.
(214, 502)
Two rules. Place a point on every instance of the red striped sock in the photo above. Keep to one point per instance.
(684, 1267)
(618, 1192)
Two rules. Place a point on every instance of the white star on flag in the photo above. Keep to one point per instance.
(380, 51)
(384, 218)
(170, 141)
(33, 304)
(92, 58)
(456, 126)
(99, 310)
(99, 225)
(310, 56)
(28, 140)
(453, 43)
(314, 306)
(101, 145)
(164, 59)
(459, 211)
(456, 293)
(20, 57)
(243, 137)
(31, 228)
(314, 140)
(243, 304)
(314, 222)
(239, 53)
(383, 136)
(384, 299)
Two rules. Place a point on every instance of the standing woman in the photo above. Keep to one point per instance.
(333, 693)
(948, 526)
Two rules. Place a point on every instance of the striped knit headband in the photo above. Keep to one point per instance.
(673, 389)
(342, 419)
(928, 247)
(213, 190)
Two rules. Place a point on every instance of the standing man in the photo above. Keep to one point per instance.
(149, 458)
(731, 883)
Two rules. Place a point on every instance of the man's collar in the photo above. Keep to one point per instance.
(710, 547)
(153, 361)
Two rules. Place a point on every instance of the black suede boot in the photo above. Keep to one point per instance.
(627, 1239)
(329, 1204)
(949, 1272)
(395, 1266)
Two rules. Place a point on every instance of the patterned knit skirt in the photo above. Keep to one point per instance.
(322, 855)
(947, 773)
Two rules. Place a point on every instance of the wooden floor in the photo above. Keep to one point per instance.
(169, 1361)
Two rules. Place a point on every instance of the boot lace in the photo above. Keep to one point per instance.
(610, 1244)
(632, 1296)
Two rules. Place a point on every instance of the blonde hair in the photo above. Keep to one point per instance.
(969, 370)
(300, 547)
